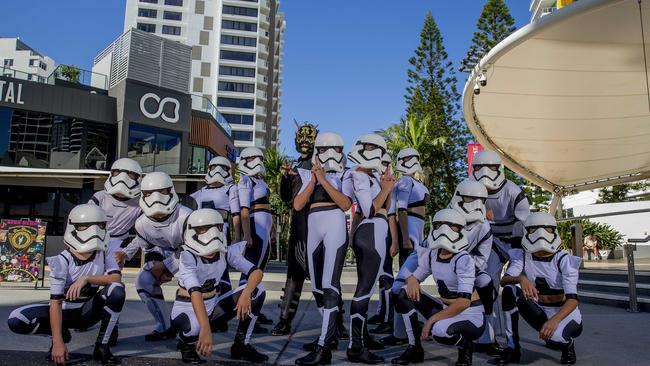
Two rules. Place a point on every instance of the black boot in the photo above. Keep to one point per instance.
(391, 340)
(508, 356)
(241, 351)
(188, 352)
(156, 336)
(363, 355)
(112, 342)
(263, 319)
(341, 331)
(319, 356)
(282, 328)
(102, 353)
(490, 349)
(383, 328)
(370, 343)
(259, 329)
(331, 344)
(412, 354)
(568, 355)
(465, 354)
(375, 319)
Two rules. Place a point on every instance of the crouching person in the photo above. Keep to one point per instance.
(76, 300)
(198, 309)
(454, 318)
(541, 285)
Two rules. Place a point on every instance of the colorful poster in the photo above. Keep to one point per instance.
(21, 250)
(472, 149)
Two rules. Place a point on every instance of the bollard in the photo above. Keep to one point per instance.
(631, 277)
(577, 242)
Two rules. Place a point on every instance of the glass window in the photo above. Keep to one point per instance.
(199, 159)
(242, 135)
(43, 66)
(147, 13)
(238, 10)
(235, 103)
(172, 15)
(9, 62)
(5, 130)
(174, 2)
(239, 41)
(237, 71)
(151, 28)
(236, 87)
(33, 62)
(168, 29)
(243, 26)
(238, 119)
(100, 140)
(238, 56)
(149, 1)
(156, 149)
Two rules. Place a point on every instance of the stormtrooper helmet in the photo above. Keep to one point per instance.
(204, 234)
(328, 150)
(251, 162)
(386, 161)
(541, 233)
(408, 161)
(158, 196)
(448, 231)
(124, 180)
(368, 151)
(219, 171)
(85, 230)
(487, 168)
(469, 200)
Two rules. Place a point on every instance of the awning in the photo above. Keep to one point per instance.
(566, 101)
(20, 172)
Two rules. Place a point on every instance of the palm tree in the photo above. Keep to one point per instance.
(273, 162)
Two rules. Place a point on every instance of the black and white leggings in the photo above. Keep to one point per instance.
(261, 222)
(466, 326)
(370, 244)
(105, 306)
(220, 310)
(150, 291)
(326, 249)
(514, 303)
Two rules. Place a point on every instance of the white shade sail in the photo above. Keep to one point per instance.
(566, 101)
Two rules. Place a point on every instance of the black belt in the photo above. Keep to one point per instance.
(324, 208)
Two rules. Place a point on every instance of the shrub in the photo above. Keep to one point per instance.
(608, 237)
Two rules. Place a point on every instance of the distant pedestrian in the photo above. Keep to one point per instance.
(591, 247)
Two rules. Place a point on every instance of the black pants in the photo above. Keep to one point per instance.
(104, 306)
(296, 265)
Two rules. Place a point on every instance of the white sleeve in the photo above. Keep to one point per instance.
(171, 262)
(516, 263)
(569, 266)
(361, 182)
(424, 265)
(481, 251)
(187, 272)
(58, 276)
(110, 265)
(403, 188)
(236, 260)
(233, 198)
(466, 274)
(245, 188)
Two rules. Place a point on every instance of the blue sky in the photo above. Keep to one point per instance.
(345, 60)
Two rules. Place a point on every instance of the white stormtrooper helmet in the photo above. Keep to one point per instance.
(125, 178)
(386, 161)
(219, 171)
(469, 200)
(251, 162)
(158, 196)
(86, 231)
(328, 150)
(368, 151)
(408, 161)
(487, 168)
(541, 233)
(204, 233)
(448, 231)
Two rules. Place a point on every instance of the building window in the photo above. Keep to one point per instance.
(29, 77)
(33, 62)
(199, 159)
(147, 13)
(243, 26)
(238, 10)
(237, 71)
(238, 119)
(156, 149)
(239, 41)
(238, 56)
(236, 87)
(9, 62)
(168, 29)
(235, 103)
(172, 15)
(43, 66)
(151, 28)
(242, 135)
(149, 1)
(174, 2)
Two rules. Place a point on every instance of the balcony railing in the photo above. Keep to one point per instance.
(203, 104)
(73, 74)
(9, 72)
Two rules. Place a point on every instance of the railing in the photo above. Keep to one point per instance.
(73, 74)
(203, 104)
(9, 72)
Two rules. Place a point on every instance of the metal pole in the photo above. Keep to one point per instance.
(631, 277)
(578, 242)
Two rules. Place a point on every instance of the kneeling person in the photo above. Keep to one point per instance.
(204, 259)
(541, 284)
(76, 301)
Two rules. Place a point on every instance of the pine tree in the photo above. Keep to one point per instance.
(432, 94)
(494, 25)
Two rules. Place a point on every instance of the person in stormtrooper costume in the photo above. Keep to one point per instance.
(456, 316)
(297, 269)
(321, 192)
(159, 233)
(198, 306)
(507, 208)
(540, 284)
(76, 300)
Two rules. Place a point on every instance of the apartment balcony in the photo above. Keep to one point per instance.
(261, 95)
(262, 80)
(262, 64)
(260, 110)
(260, 127)
(263, 51)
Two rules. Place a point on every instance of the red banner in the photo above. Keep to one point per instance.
(472, 149)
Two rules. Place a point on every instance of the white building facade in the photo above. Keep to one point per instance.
(19, 60)
(236, 57)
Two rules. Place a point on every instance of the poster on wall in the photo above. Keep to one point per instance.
(22, 243)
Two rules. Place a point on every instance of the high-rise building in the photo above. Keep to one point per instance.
(236, 56)
(19, 60)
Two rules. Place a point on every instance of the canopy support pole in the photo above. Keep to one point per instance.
(556, 203)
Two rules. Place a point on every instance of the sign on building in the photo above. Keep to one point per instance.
(22, 245)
